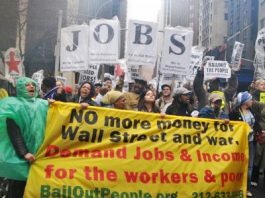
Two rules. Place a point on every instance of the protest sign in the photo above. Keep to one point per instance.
(104, 41)
(142, 43)
(61, 79)
(259, 61)
(99, 153)
(236, 56)
(217, 69)
(13, 64)
(176, 51)
(260, 43)
(262, 97)
(74, 48)
(38, 77)
(196, 61)
(90, 75)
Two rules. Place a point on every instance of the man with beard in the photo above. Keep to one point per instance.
(132, 98)
(181, 103)
(213, 110)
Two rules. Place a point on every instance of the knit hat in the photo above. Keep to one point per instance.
(243, 97)
(214, 97)
(111, 97)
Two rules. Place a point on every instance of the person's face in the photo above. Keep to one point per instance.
(59, 84)
(97, 88)
(120, 103)
(138, 88)
(185, 98)
(30, 87)
(108, 84)
(216, 105)
(149, 96)
(85, 90)
(249, 103)
(260, 86)
(166, 91)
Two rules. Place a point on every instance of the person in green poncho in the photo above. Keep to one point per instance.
(22, 126)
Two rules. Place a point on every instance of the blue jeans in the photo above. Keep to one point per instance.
(251, 152)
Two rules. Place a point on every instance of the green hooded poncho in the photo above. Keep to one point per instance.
(29, 113)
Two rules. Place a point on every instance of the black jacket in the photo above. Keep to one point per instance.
(16, 138)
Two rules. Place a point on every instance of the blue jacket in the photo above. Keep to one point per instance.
(208, 112)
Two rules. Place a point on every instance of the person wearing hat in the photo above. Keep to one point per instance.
(114, 99)
(213, 110)
(97, 86)
(132, 98)
(202, 93)
(181, 105)
(242, 111)
(165, 99)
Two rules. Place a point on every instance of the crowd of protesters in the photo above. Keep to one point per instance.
(205, 99)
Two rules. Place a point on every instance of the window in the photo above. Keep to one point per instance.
(226, 16)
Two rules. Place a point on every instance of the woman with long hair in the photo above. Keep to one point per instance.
(147, 102)
(85, 94)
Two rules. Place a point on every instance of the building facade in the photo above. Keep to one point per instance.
(212, 23)
(242, 27)
(105, 9)
(181, 13)
(42, 26)
(8, 22)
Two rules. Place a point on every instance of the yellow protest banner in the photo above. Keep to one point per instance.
(100, 152)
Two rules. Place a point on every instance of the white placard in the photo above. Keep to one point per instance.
(217, 69)
(61, 79)
(176, 51)
(260, 43)
(90, 75)
(134, 72)
(104, 39)
(38, 77)
(13, 64)
(236, 56)
(74, 48)
(207, 58)
(141, 43)
(195, 60)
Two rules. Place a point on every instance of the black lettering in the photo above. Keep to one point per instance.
(97, 31)
(177, 44)
(75, 41)
(139, 33)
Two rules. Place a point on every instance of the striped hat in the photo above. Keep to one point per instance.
(243, 97)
